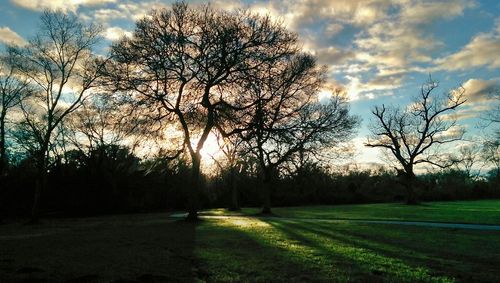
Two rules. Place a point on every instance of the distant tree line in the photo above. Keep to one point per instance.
(87, 134)
(84, 185)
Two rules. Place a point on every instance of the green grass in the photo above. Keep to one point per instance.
(154, 248)
(243, 249)
(479, 212)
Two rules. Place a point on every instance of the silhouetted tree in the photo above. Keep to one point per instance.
(187, 63)
(491, 144)
(288, 117)
(13, 89)
(233, 150)
(491, 155)
(413, 134)
(467, 158)
(59, 63)
(493, 115)
(105, 119)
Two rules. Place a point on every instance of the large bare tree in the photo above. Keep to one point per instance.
(187, 63)
(413, 134)
(13, 89)
(59, 63)
(288, 118)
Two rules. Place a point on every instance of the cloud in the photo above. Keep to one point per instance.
(386, 81)
(115, 33)
(370, 41)
(478, 90)
(9, 36)
(483, 50)
(104, 15)
(454, 132)
(400, 40)
(135, 10)
(357, 12)
(391, 45)
(426, 12)
(332, 29)
(333, 55)
(479, 96)
(354, 88)
(65, 5)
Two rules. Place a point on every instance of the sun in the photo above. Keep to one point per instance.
(211, 148)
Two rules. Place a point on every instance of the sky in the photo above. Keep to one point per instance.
(379, 51)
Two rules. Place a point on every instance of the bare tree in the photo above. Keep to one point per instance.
(491, 145)
(13, 89)
(288, 118)
(467, 159)
(233, 151)
(105, 119)
(187, 62)
(413, 134)
(59, 63)
(491, 155)
(493, 116)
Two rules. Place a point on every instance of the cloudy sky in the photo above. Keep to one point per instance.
(380, 51)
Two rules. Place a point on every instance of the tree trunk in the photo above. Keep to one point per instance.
(235, 205)
(266, 192)
(410, 189)
(40, 183)
(194, 188)
(3, 151)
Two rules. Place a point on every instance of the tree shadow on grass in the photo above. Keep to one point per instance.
(444, 250)
(359, 261)
(467, 255)
(411, 246)
(232, 250)
(135, 248)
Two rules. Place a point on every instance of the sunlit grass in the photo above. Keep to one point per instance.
(479, 212)
(253, 249)
(295, 247)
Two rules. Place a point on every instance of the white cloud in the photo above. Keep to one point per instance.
(400, 40)
(478, 90)
(483, 50)
(389, 35)
(455, 131)
(354, 88)
(425, 12)
(123, 10)
(105, 15)
(358, 12)
(65, 5)
(479, 96)
(9, 36)
(389, 44)
(115, 33)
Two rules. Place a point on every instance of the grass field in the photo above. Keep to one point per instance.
(154, 248)
(478, 212)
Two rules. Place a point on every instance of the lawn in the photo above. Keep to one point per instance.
(155, 248)
(477, 212)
